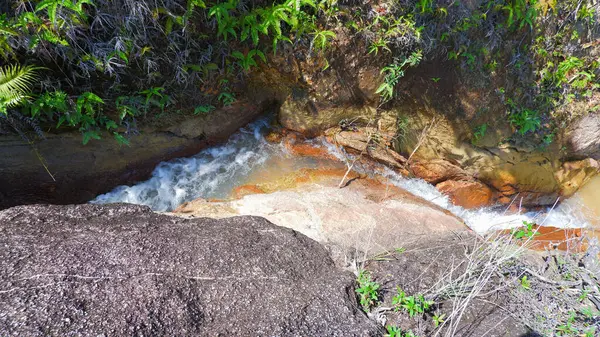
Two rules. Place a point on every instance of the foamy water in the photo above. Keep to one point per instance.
(214, 172)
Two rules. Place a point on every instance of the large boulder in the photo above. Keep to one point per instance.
(122, 270)
(365, 215)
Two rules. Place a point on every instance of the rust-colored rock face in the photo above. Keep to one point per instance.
(437, 170)
(296, 146)
(241, 191)
(567, 239)
(468, 194)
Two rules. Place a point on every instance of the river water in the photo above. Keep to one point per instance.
(215, 172)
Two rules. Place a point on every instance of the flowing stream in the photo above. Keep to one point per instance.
(215, 172)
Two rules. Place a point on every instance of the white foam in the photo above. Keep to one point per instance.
(212, 173)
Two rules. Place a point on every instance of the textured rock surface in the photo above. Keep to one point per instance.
(368, 142)
(437, 170)
(366, 215)
(84, 171)
(583, 137)
(122, 270)
(468, 194)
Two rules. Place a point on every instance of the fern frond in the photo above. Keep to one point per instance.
(15, 83)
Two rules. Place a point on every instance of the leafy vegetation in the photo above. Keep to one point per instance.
(414, 305)
(394, 72)
(111, 48)
(527, 231)
(368, 290)
(204, 50)
(15, 85)
(394, 331)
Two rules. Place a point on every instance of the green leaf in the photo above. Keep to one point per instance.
(15, 83)
(120, 139)
(89, 134)
(203, 109)
(238, 55)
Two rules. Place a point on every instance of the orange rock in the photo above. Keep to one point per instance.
(554, 238)
(550, 238)
(295, 145)
(438, 170)
(308, 150)
(468, 194)
(241, 191)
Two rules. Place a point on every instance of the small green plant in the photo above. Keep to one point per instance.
(321, 39)
(479, 133)
(589, 312)
(424, 6)
(526, 231)
(368, 290)
(567, 329)
(378, 44)
(394, 72)
(155, 97)
(393, 331)
(225, 22)
(203, 109)
(247, 61)
(525, 120)
(438, 319)
(226, 98)
(590, 332)
(47, 105)
(413, 305)
(128, 106)
(525, 283)
(520, 13)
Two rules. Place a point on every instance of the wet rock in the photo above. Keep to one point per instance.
(312, 119)
(368, 142)
(244, 190)
(297, 146)
(437, 170)
(81, 172)
(365, 215)
(123, 270)
(468, 194)
(574, 175)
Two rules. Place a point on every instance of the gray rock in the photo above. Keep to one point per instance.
(122, 270)
(583, 137)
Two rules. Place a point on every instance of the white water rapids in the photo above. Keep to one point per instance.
(214, 172)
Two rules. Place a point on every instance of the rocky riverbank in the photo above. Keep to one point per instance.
(123, 269)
